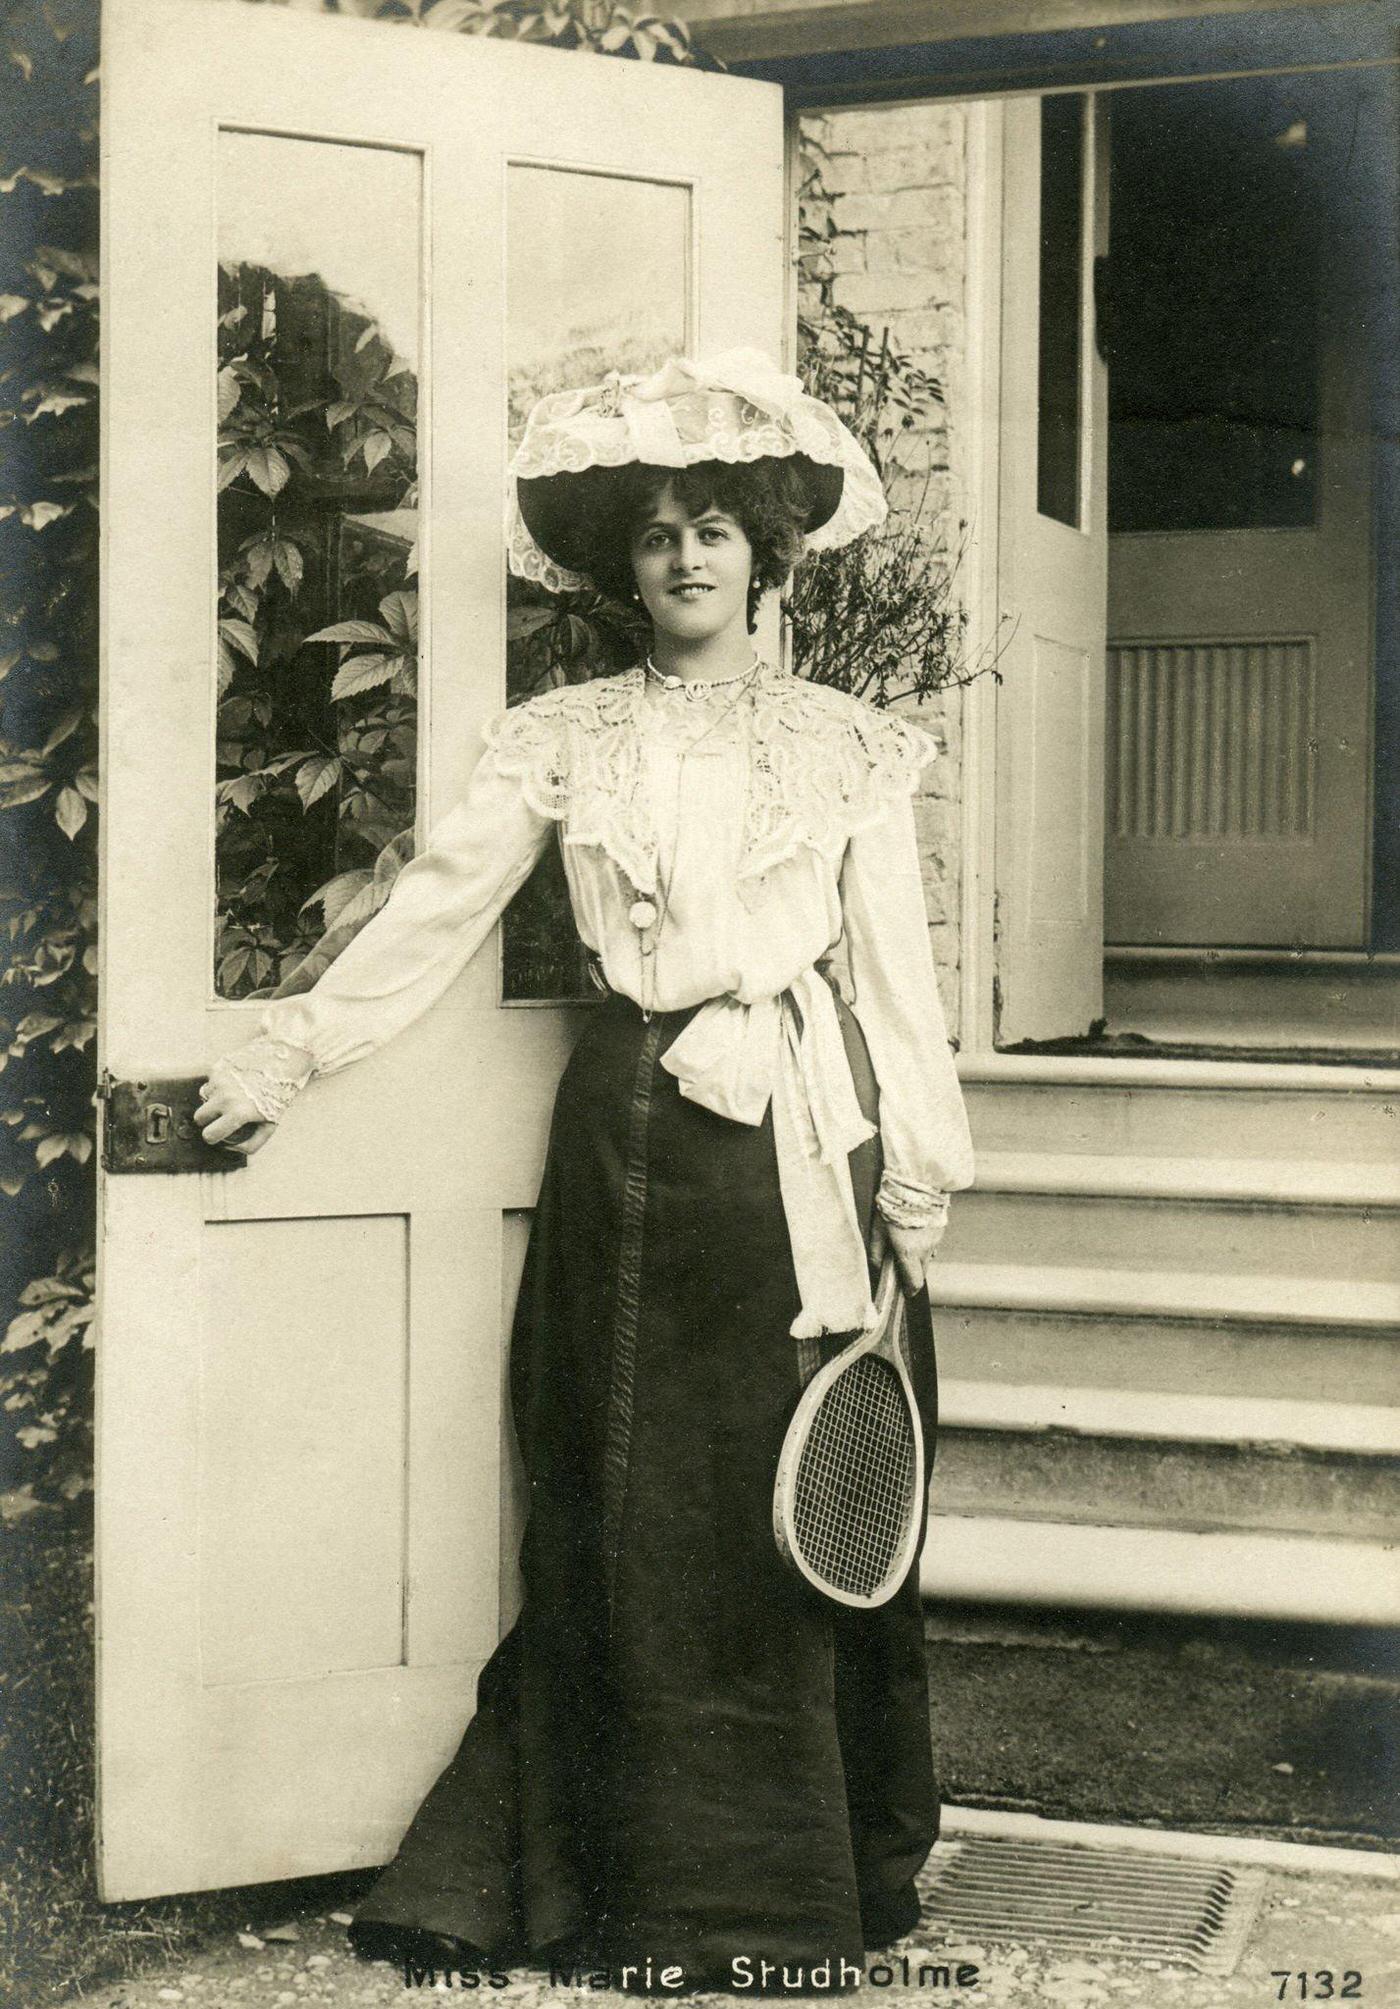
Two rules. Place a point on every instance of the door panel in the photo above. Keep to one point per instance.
(1240, 589)
(1053, 554)
(301, 1566)
(301, 1402)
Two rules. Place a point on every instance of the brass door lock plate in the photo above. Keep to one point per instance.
(149, 1126)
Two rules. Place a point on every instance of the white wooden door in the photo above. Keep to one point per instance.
(1053, 582)
(1240, 682)
(301, 1370)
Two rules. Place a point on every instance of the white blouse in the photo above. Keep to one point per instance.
(719, 840)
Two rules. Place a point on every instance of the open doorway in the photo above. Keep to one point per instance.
(1164, 314)
(1248, 317)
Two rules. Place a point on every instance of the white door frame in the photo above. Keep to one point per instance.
(986, 126)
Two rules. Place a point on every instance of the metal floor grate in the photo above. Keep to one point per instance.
(1061, 1896)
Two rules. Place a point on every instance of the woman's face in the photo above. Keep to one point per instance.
(692, 571)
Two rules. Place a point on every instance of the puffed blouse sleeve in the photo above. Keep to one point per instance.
(441, 908)
(924, 1132)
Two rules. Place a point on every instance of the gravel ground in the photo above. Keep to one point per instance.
(1307, 1923)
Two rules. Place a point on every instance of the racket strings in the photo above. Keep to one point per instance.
(855, 1479)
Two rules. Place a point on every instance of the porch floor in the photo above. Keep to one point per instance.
(1289, 1731)
(1291, 1006)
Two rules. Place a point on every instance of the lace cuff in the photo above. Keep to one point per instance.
(270, 1073)
(906, 1204)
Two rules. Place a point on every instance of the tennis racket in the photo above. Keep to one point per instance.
(848, 1498)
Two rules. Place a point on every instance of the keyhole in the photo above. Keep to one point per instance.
(158, 1123)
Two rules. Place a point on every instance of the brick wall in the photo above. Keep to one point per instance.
(896, 180)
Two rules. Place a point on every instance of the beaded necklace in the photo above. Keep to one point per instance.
(670, 682)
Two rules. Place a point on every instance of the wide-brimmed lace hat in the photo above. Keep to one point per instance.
(735, 407)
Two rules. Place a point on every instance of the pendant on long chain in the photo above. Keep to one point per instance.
(644, 916)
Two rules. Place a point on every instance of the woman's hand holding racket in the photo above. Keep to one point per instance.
(848, 1498)
(229, 1116)
(913, 1249)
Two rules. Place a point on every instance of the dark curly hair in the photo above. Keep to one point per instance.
(770, 499)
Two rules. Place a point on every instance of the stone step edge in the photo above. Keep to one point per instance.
(1118, 1071)
(1255, 1851)
(1160, 1416)
(1280, 1182)
(1176, 1294)
(1306, 1579)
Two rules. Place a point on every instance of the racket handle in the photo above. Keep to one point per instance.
(886, 1290)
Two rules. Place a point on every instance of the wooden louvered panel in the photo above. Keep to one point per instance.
(1212, 740)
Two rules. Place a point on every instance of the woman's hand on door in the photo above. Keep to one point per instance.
(913, 1248)
(227, 1115)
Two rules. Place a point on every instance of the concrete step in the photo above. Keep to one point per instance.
(1224, 1237)
(1158, 1176)
(1361, 1429)
(1303, 1578)
(1126, 1114)
(1339, 1303)
(1200, 1487)
(1168, 1318)
(1148, 1353)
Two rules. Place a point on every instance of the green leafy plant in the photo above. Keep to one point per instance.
(317, 749)
(48, 744)
(883, 617)
(597, 25)
(45, 1357)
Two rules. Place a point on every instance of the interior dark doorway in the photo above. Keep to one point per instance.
(1248, 313)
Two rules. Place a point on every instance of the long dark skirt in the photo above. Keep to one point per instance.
(679, 1752)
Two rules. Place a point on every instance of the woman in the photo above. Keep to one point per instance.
(681, 1758)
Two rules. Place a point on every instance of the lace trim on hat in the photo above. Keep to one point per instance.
(822, 765)
(568, 432)
(527, 561)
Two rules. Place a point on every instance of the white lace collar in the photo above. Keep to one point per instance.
(820, 765)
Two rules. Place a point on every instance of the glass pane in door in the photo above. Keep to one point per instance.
(598, 278)
(1219, 204)
(1061, 308)
(319, 293)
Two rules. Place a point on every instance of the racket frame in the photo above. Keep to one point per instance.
(882, 1338)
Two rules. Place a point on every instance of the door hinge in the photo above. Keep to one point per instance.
(149, 1126)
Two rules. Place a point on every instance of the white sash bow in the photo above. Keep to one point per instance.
(788, 1050)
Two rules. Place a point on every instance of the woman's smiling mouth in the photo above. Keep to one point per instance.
(689, 589)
